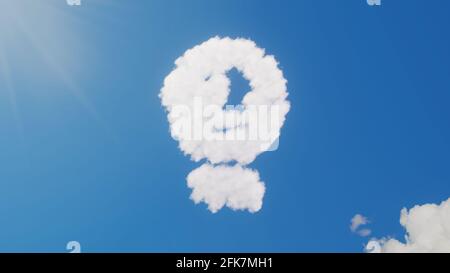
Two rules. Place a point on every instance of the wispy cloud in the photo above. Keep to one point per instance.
(356, 222)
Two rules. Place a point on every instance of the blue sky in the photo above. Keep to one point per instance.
(85, 149)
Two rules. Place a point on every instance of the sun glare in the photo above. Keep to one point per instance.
(38, 30)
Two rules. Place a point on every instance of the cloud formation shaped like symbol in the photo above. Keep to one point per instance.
(201, 73)
(199, 81)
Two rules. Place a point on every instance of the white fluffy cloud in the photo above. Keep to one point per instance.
(427, 230)
(356, 222)
(233, 186)
(202, 73)
(200, 80)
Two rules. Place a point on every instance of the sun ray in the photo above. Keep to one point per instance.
(71, 86)
(6, 77)
(53, 63)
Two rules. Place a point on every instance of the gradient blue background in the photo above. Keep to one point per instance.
(368, 131)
